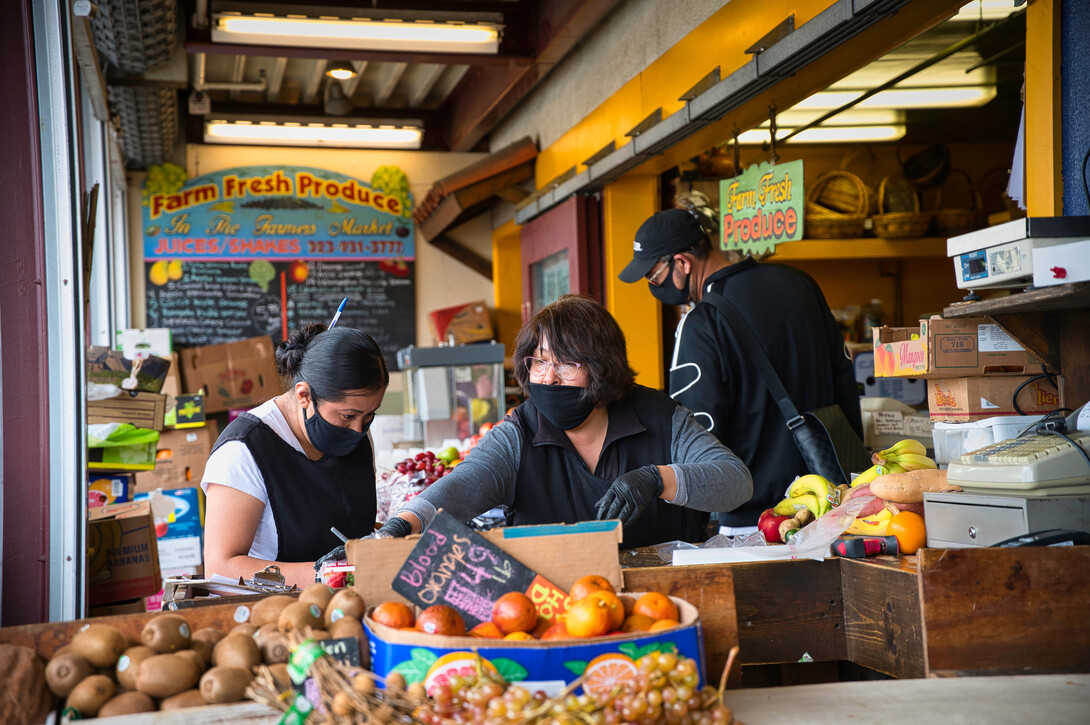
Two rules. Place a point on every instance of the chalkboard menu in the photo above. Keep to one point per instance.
(453, 565)
(261, 250)
(214, 302)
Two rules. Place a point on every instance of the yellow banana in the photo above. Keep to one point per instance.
(785, 507)
(817, 485)
(875, 525)
(913, 462)
(908, 445)
(866, 476)
(885, 468)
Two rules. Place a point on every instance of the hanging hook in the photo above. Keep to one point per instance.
(772, 131)
(737, 151)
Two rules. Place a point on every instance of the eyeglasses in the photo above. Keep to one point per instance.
(538, 367)
(661, 266)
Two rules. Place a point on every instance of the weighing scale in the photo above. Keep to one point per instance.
(1002, 256)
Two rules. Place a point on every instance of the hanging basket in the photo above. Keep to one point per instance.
(836, 206)
(898, 224)
(951, 222)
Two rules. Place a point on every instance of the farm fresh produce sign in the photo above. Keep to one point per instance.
(762, 207)
(279, 213)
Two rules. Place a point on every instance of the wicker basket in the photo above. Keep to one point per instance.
(862, 161)
(899, 224)
(926, 167)
(836, 206)
(951, 222)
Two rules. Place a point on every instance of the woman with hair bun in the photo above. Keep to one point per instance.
(282, 474)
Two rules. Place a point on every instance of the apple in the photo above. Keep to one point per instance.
(769, 525)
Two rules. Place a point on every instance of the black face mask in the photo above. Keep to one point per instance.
(332, 440)
(560, 404)
(667, 293)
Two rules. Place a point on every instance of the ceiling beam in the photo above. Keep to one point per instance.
(350, 84)
(387, 81)
(429, 74)
(488, 93)
(276, 79)
(314, 82)
(238, 72)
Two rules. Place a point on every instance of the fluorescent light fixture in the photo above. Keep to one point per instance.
(828, 134)
(336, 135)
(986, 10)
(356, 34)
(950, 97)
(796, 116)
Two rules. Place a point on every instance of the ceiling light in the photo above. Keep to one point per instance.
(829, 134)
(796, 116)
(357, 34)
(341, 70)
(337, 135)
(957, 96)
(986, 10)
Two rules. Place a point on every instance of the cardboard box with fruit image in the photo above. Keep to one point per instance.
(574, 577)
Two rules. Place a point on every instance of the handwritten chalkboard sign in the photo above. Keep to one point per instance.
(453, 565)
(206, 303)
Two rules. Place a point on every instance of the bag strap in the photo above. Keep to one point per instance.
(764, 366)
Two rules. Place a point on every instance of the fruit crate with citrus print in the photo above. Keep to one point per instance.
(602, 662)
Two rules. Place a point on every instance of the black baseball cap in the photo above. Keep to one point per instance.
(666, 232)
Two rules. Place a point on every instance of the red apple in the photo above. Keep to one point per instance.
(769, 525)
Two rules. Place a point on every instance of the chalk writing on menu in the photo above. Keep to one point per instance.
(455, 566)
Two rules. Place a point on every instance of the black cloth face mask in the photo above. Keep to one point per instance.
(333, 440)
(667, 293)
(560, 404)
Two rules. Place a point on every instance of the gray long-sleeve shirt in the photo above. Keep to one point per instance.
(709, 476)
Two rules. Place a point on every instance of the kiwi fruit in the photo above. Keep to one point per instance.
(207, 634)
(62, 650)
(99, 644)
(65, 671)
(345, 603)
(268, 609)
(298, 615)
(205, 649)
(279, 673)
(196, 657)
(318, 634)
(127, 703)
(275, 648)
(246, 628)
(165, 675)
(236, 651)
(225, 684)
(166, 633)
(189, 698)
(317, 593)
(128, 665)
(88, 697)
(351, 627)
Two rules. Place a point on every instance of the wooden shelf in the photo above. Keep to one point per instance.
(1074, 296)
(816, 249)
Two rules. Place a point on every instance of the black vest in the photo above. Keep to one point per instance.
(308, 497)
(554, 485)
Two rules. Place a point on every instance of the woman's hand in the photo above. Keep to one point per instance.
(629, 495)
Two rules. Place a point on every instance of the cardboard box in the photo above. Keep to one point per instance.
(122, 558)
(179, 526)
(120, 447)
(179, 459)
(144, 410)
(238, 374)
(956, 400)
(462, 323)
(559, 553)
(111, 367)
(949, 349)
(104, 489)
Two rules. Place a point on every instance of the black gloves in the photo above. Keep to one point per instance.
(337, 553)
(396, 528)
(629, 495)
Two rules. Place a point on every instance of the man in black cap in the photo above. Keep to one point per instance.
(711, 372)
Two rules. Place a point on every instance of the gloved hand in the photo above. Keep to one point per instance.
(629, 495)
(396, 527)
(337, 553)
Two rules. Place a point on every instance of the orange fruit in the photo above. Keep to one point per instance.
(663, 624)
(587, 584)
(487, 630)
(519, 636)
(910, 531)
(556, 631)
(616, 609)
(394, 614)
(637, 623)
(655, 606)
(514, 612)
(606, 673)
(441, 619)
(589, 617)
(456, 664)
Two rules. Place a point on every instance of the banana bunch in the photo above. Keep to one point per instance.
(874, 525)
(811, 492)
(909, 455)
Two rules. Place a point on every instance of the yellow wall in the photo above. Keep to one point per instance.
(507, 282)
(1044, 186)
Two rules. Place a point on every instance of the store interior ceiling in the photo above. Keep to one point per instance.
(170, 68)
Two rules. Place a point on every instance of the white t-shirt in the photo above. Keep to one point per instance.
(233, 465)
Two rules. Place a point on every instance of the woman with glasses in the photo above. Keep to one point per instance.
(589, 443)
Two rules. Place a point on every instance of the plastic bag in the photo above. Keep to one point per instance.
(719, 541)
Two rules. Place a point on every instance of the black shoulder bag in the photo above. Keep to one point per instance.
(825, 438)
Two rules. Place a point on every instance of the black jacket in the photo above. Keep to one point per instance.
(711, 374)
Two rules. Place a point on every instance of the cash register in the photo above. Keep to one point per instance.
(1039, 480)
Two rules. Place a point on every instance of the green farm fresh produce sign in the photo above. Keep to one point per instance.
(762, 207)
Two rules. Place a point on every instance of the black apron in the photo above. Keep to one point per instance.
(308, 497)
(554, 485)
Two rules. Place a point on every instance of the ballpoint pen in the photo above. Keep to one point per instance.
(337, 314)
